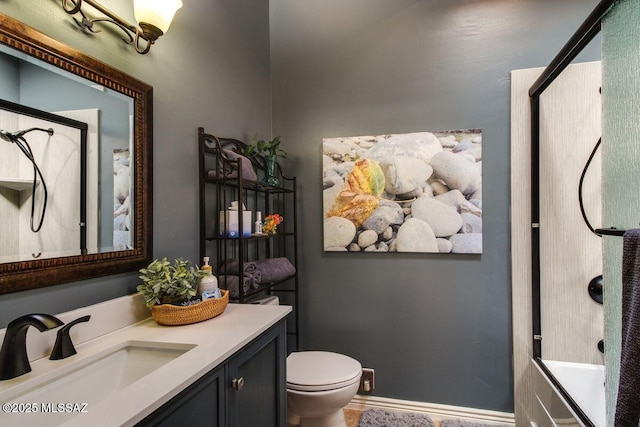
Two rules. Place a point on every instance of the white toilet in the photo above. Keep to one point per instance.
(319, 385)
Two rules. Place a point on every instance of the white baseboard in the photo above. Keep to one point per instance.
(434, 410)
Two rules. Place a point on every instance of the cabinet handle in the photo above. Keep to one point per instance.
(237, 383)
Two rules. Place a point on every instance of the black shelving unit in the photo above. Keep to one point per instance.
(222, 182)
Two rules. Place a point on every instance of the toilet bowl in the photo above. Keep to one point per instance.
(319, 385)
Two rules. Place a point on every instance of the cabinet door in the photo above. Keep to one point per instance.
(202, 404)
(257, 391)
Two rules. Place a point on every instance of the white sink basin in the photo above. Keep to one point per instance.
(89, 381)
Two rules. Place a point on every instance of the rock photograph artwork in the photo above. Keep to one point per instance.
(413, 192)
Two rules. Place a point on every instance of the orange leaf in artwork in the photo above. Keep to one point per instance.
(359, 197)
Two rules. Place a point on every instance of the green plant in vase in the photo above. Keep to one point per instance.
(270, 150)
(163, 283)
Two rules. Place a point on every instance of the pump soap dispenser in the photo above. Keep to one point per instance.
(208, 286)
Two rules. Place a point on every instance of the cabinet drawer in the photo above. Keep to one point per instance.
(201, 404)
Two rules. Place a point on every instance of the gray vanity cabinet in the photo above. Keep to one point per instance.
(249, 389)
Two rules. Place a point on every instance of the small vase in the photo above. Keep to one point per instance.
(270, 174)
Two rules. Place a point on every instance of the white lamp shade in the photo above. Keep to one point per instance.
(156, 12)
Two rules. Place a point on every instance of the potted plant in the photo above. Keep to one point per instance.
(270, 150)
(265, 148)
(163, 283)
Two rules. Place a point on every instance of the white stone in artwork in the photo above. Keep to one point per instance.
(471, 223)
(443, 219)
(444, 245)
(456, 172)
(328, 196)
(456, 199)
(421, 145)
(338, 232)
(404, 174)
(121, 183)
(367, 238)
(466, 243)
(337, 146)
(383, 217)
(415, 235)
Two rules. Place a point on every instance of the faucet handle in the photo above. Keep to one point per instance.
(63, 347)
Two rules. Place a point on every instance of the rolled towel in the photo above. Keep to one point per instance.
(231, 170)
(256, 276)
(231, 284)
(274, 270)
(230, 266)
(249, 267)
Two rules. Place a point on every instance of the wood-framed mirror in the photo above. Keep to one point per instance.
(112, 246)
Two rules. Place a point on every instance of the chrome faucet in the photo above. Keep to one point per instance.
(13, 354)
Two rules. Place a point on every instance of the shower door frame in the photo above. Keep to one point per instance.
(74, 124)
(581, 38)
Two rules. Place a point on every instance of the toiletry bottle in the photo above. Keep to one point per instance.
(258, 223)
(209, 282)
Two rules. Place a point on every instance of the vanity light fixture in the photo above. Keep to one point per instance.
(153, 16)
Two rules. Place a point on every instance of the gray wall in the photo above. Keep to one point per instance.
(436, 328)
(211, 69)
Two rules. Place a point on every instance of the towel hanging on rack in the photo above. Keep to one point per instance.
(628, 402)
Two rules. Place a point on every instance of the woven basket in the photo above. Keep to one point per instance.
(174, 315)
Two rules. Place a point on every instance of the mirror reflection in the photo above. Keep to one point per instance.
(76, 183)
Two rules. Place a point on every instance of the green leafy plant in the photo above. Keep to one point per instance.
(265, 148)
(165, 283)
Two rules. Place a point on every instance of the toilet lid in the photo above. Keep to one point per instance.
(321, 370)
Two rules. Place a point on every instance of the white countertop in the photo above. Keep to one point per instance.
(215, 340)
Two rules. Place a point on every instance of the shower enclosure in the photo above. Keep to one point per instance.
(44, 212)
(564, 229)
(566, 256)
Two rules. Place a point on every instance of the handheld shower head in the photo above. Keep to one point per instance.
(22, 132)
(6, 135)
(18, 139)
(12, 136)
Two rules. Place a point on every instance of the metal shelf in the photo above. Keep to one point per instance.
(217, 192)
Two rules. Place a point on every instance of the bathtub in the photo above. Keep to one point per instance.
(585, 384)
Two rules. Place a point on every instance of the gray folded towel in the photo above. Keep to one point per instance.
(231, 284)
(273, 270)
(230, 266)
(628, 402)
(230, 169)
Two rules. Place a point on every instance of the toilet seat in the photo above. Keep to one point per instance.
(321, 371)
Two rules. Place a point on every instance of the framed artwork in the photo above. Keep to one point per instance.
(413, 192)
